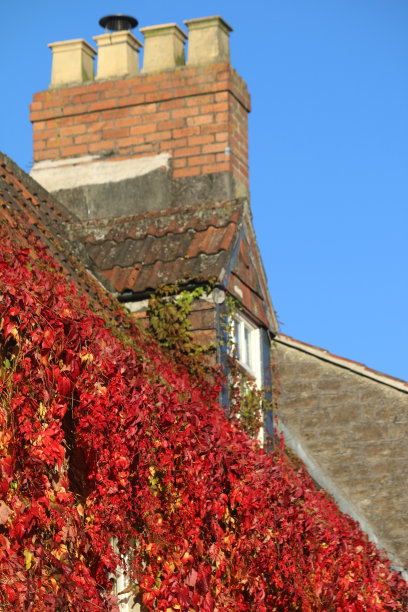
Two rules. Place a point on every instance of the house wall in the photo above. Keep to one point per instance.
(203, 323)
(353, 428)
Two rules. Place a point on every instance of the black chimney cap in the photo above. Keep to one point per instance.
(115, 23)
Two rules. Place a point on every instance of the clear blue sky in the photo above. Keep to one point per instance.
(328, 149)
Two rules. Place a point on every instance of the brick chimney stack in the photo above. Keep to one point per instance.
(127, 141)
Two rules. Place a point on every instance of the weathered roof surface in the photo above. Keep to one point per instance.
(141, 252)
(216, 240)
(25, 204)
(137, 254)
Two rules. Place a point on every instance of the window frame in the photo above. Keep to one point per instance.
(245, 337)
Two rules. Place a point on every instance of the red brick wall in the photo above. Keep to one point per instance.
(193, 113)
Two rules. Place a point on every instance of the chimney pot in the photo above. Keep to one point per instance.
(208, 40)
(72, 62)
(164, 47)
(118, 54)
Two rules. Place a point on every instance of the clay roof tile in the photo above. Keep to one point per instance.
(167, 245)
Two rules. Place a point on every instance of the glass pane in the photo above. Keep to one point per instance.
(236, 339)
(248, 352)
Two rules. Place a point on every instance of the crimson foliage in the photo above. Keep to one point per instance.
(102, 438)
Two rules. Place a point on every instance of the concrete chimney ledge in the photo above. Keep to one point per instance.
(164, 47)
(208, 40)
(118, 54)
(72, 62)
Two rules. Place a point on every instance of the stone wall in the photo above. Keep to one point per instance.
(352, 424)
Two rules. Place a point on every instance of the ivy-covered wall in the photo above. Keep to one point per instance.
(212, 522)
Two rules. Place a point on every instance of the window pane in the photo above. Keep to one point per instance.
(248, 351)
(236, 339)
(245, 348)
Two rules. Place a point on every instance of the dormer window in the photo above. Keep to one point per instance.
(243, 344)
(246, 340)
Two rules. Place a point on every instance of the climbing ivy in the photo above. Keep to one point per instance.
(169, 311)
(213, 523)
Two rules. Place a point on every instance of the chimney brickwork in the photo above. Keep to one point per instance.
(196, 114)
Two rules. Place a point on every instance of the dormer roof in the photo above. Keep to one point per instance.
(137, 254)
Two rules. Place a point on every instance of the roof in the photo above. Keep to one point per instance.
(354, 366)
(136, 254)
(25, 204)
(139, 253)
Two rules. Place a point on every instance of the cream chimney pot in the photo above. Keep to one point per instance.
(164, 47)
(118, 54)
(208, 40)
(72, 62)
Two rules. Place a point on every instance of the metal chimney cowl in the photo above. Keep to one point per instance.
(117, 23)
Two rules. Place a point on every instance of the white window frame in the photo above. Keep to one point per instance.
(241, 324)
(127, 601)
(246, 338)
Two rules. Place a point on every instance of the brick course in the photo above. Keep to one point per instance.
(206, 104)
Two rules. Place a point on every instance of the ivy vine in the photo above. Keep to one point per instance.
(169, 311)
(212, 523)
